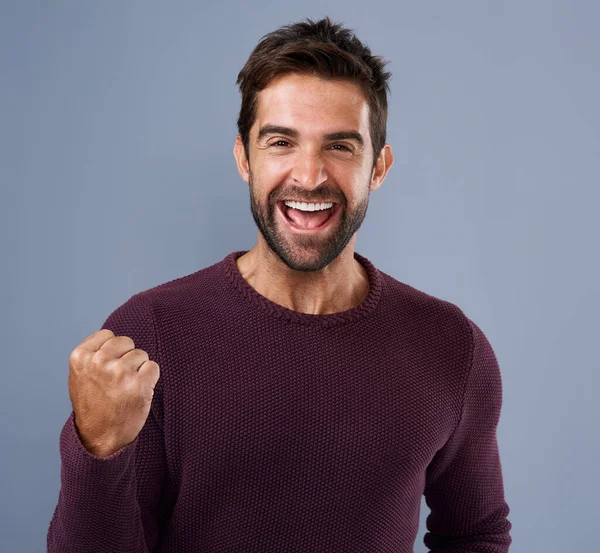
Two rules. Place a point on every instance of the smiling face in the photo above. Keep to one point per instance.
(310, 142)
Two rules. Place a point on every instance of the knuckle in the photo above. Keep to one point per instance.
(102, 356)
(77, 358)
(75, 354)
(142, 353)
(125, 341)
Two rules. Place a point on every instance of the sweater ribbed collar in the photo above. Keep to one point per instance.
(234, 278)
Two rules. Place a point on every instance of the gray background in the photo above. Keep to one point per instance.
(117, 174)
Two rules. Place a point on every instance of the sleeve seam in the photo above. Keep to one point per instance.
(467, 378)
(157, 350)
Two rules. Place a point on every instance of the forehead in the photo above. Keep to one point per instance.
(313, 105)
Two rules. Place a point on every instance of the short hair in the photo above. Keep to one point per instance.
(322, 48)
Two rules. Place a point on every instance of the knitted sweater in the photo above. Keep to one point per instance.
(277, 431)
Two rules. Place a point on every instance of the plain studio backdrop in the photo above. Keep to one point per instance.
(117, 126)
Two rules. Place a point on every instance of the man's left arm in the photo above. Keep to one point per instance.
(464, 486)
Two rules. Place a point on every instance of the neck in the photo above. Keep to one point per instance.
(340, 286)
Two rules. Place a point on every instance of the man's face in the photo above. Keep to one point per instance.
(298, 161)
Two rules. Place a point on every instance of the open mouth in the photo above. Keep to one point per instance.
(308, 221)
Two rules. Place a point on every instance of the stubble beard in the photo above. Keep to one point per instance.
(305, 253)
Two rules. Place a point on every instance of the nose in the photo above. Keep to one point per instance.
(309, 169)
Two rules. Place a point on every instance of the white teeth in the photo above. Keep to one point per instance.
(308, 207)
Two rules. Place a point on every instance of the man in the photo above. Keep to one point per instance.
(292, 397)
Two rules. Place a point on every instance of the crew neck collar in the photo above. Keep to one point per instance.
(235, 279)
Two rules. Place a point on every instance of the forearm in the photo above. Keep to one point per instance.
(97, 508)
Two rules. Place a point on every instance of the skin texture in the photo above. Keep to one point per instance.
(111, 385)
(316, 273)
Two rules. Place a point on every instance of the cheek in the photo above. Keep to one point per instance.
(268, 179)
(277, 168)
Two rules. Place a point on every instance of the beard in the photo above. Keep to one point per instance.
(306, 253)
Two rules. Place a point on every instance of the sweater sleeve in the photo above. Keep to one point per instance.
(111, 504)
(464, 485)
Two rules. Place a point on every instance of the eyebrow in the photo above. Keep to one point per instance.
(339, 135)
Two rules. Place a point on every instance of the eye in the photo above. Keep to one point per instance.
(341, 145)
(283, 143)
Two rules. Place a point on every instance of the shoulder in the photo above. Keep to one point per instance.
(432, 314)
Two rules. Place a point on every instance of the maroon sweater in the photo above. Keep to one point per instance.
(278, 431)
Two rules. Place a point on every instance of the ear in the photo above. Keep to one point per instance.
(383, 165)
(241, 160)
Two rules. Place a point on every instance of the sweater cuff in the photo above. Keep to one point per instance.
(79, 463)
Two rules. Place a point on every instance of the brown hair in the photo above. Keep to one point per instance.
(322, 48)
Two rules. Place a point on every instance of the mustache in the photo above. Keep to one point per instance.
(299, 197)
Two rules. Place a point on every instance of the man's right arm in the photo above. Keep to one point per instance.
(108, 504)
(110, 495)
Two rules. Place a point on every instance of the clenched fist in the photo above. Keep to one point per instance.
(111, 385)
